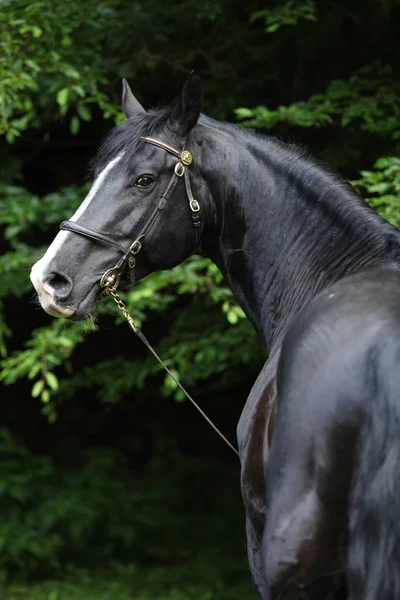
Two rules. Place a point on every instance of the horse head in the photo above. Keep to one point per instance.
(140, 214)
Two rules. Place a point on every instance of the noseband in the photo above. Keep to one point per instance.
(112, 276)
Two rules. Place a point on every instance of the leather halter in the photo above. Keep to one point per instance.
(112, 276)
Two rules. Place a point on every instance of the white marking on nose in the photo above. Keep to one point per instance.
(39, 268)
(47, 289)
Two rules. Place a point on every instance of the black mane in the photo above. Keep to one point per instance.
(317, 184)
(126, 137)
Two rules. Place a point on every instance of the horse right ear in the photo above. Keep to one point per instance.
(185, 114)
(130, 106)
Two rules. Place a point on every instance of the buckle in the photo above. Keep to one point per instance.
(179, 169)
(194, 205)
(135, 247)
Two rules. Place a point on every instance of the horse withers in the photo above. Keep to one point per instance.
(317, 434)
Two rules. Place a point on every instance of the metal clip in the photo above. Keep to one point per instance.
(179, 169)
(194, 205)
(132, 262)
(110, 280)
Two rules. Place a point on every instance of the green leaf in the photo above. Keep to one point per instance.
(52, 380)
(232, 317)
(244, 113)
(37, 388)
(62, 96)
(45, 397)
(84, 112)
(65, 341)
(74, 125)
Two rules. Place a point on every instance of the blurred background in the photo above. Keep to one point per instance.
(111, 486)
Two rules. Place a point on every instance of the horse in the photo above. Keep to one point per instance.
(317, 273)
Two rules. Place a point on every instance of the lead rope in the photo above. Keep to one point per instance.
(122, 307)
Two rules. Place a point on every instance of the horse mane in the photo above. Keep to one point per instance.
(316, 183)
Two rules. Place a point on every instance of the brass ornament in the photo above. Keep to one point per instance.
(186, 157)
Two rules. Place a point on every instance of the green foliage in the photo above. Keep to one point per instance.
(382, 187)
(21, 215)
(59, 67)
(286, 14)
(220, 351)
(370, 99)
(195, 579)
(52, 514)
(48, 515)
(48, 348)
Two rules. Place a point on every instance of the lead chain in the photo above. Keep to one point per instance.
(122, 307)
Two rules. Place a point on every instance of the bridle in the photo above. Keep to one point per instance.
(111, 278)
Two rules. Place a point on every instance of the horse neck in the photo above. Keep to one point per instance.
(280, 227)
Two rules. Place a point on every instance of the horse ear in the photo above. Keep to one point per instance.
(130, 105)
(185, 114)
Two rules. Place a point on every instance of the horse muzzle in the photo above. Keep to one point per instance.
(51, 291)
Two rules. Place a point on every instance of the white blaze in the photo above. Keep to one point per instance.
(39, 268)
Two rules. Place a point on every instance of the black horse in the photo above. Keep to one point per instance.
(319, 436)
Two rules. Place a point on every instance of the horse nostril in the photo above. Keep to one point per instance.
(61, 284)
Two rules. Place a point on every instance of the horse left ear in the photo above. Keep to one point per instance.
(185, 114)
(130, 106)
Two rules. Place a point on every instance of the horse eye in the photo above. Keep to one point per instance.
(144, 181)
